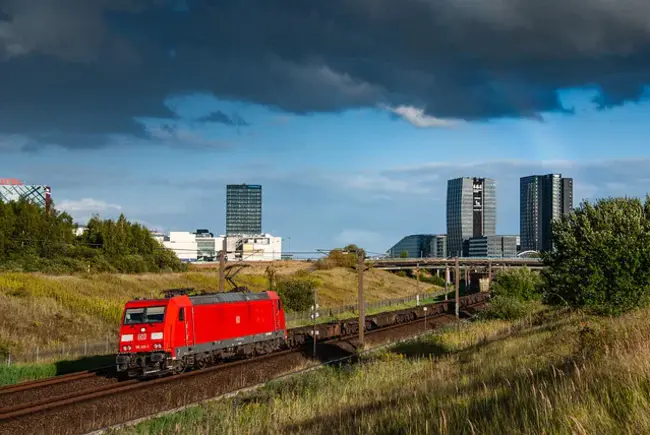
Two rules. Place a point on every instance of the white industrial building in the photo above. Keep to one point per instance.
(204, 246)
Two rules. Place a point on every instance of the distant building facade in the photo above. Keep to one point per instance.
(471, 212)
(202, 245)
(438, 245)
(543, 199)
(493, 246)
(12, 189)
(415, 245)
(420, 246)
(243, 209)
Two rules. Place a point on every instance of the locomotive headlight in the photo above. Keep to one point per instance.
(125, 348)
(127, 337)
(156, 335)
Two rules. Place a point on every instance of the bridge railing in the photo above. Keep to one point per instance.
(412, 259)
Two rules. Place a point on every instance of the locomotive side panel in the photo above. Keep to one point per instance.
(262, 317)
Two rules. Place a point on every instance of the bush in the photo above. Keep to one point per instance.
(297, 294)
(601, 259)
(515, 293)
(520, 284)
(508, 308)
(433, 279)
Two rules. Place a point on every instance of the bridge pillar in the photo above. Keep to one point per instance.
(447, 281)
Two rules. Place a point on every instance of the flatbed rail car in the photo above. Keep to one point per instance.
(344, 328)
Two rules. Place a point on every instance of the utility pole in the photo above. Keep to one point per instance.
(222, 266)
(457, 276)
(417, 276)
(362, 304)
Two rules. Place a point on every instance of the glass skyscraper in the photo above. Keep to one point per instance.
(471, 212)
(243, 209)
(543, 198)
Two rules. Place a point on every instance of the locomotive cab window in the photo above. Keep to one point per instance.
(181, 314)
(134, 316)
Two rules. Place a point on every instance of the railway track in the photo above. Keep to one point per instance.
(94, 407)
(24, 392)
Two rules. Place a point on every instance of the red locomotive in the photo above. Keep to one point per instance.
(180, 332)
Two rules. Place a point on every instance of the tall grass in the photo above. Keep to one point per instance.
(10, 375)
(552, 373)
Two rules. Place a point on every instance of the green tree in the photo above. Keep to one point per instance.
(601, 259)
(33, 239)
(297, 294)
(404, 254)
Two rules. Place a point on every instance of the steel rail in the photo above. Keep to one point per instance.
(52, 380)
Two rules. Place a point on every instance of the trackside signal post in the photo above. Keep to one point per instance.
(314, 315)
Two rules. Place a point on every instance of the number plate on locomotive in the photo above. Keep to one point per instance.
(142, 336)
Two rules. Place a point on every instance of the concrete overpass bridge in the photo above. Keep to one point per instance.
(473, 272)
(463, 262)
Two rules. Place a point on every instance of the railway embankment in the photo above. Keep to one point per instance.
(554, 371)
(48, 317)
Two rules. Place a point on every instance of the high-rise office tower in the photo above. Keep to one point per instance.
(471, 212)
(243, 209)
(543, 198)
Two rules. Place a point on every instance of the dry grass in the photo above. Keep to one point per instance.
(559, 374)
(282, 267)
(44, 311)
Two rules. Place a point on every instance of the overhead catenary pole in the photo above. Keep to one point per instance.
(362, 304)
(222, 266)
(457, 276)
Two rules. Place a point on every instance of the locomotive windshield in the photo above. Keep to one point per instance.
(144, 315)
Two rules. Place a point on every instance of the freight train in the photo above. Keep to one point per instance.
(180, 332)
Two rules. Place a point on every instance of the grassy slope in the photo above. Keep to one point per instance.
(562, 373)
(47, 311)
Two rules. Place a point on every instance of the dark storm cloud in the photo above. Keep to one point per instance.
(71, 70)
(220, 117)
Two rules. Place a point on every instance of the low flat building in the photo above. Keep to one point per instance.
(492, 246)
(203, 246)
